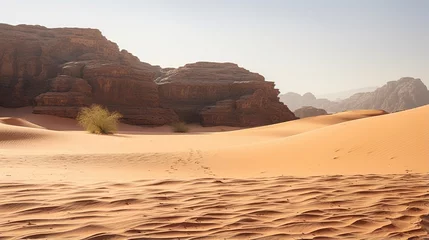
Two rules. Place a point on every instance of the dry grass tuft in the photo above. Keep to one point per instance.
(97, 119)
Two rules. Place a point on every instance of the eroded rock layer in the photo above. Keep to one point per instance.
(221, 94)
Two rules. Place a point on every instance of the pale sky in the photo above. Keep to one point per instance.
(318, 46)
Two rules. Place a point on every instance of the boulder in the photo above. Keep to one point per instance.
(309, 111)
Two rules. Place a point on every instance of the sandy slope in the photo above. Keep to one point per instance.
(68, 183)
(391, 143)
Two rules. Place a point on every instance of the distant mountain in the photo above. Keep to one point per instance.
(405, 93)
(337, 96)
(295, 101)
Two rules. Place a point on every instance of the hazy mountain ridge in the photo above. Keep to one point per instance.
(341, 95)
(405, 93)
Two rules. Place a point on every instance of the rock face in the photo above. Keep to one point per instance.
(309, 111)
(405, 93)
(221, 94)
(58, 71)
(61, 70)
(30, 55)
(65, 97)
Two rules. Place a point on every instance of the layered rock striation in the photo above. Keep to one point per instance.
(221, 94)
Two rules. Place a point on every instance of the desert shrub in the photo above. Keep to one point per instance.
(180, 127)
(99, 120)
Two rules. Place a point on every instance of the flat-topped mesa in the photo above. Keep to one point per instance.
(221, 94)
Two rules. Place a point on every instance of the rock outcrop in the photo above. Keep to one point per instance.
(309, 111)
(221, 94)
(405, 93)
(60, 70)
(66, 95)
(30, 55)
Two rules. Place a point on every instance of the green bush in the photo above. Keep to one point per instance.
(180, 127)
(99, 120)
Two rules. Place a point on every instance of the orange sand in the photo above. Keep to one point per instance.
(217, 183)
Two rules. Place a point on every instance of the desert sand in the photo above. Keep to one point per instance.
(353, 175)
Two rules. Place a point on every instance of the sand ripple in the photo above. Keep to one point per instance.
(330, 207)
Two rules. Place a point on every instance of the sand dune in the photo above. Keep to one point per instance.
(149, 154)
(18, 122)
(308, 124)
(352, 175)
(387, 144)
(393, 143)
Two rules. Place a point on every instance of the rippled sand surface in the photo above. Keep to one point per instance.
(327, 207)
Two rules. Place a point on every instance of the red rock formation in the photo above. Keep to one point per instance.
(61, 70)
(221, 94)
(30, 55)
(248, 111)
(65, 97)
(309, 111)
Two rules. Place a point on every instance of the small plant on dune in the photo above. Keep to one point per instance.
(99, 120)
(180, 127)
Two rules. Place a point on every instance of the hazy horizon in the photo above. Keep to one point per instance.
(321, 47)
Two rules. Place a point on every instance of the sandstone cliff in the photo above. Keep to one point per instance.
(221, 94)
(60, 70)
(30, 55)
(405, 93)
